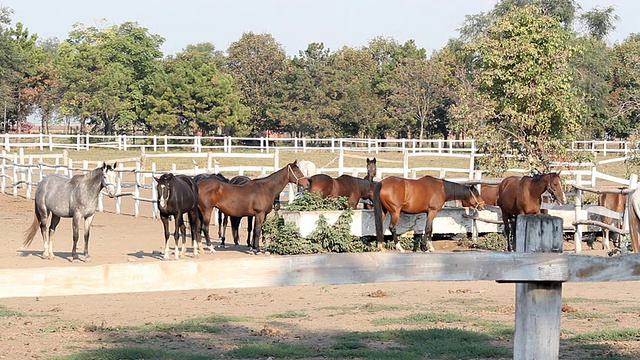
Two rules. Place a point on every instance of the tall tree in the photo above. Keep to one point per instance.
(524, 61)
(256, 62)
(625, 97)
(600, 21)
(104, 72)
(192, 94)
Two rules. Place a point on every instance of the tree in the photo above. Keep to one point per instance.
(600, 22)
(625, 96)
(191, 93)
(418, 92)
(105, 74)
(256, 62)
(524, 74)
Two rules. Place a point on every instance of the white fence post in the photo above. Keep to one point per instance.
(577, 235)
(538, 304)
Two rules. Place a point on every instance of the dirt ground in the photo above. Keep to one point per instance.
(53, 326)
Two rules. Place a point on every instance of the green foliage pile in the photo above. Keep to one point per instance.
(285, 239)
(314, 202)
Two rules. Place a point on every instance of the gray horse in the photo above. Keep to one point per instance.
(75, 198)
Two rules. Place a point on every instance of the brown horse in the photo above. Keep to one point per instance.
(372, 169)
(488, 193)
(523, 195)
(615, 202)
(634, 220)
(351, 187)
(253, 198)
(424, 195)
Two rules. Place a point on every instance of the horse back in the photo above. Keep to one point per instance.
(322, 183)
(64, 197)
(412, 196)
(489, 194)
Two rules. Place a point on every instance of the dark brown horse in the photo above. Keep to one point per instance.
(351, 187)
(615, 202)
(523, 195)
(424, 195)
(253, 198)
(372, 169)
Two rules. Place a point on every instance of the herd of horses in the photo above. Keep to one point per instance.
(197, 196)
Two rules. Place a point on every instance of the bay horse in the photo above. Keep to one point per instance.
(424, 195)
(235, 220)
(351, 187)
(372, 170)
(488, 193)
(615, 202)
(522, 195)
(77, 198)
(253, 198)
(220, 177)
(178, 195)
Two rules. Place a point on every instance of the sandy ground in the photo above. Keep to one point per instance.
(51, 326)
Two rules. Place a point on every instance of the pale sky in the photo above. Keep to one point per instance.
(293, 23)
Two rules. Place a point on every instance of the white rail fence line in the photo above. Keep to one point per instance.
(538, 271)
(230, 144)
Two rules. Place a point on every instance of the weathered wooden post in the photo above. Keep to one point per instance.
(538, 304)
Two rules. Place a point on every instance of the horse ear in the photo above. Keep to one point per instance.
(115, 165)
(295, 162)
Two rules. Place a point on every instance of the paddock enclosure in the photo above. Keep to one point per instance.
(126, 243)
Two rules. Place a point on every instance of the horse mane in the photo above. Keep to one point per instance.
(455, 191)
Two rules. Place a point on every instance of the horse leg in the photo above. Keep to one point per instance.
(87, 230)
(76, 235)
(194, 226)
(249, 229)
(224, 223)
(181, 229)
(204, 226)
(257, 231)
(235, 227)
(394, 233)
(47, 235)
(426, 244)
(506, 223)
(165, 224)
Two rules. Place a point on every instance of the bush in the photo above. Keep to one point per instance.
(285, 239)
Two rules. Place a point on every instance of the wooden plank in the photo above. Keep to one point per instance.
(263, 271)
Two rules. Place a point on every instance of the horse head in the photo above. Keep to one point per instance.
(109, 178)
(476, 200)
(372, 168)
(164, 189)
(296, 176)
(554, 187)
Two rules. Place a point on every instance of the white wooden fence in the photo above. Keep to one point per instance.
(538, 270)
(230, 144)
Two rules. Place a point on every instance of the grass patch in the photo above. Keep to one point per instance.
(584, 315)
(132, 353)
(5, 312)
(196, 325)
(591, 301)
(608, 335)
(290, 314)
(423, 319)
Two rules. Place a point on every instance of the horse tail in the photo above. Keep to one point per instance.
(30, 233)
(377, 213)
(634, 220)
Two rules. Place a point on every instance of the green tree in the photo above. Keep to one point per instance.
(600, 22)
(192, 93)
(524, 75)
(105, 74)
(625, 96)
(256, 62)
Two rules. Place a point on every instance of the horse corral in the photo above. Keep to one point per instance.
(233, 282)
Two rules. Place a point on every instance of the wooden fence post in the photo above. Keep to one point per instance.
(577, 235)
(538, 304)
